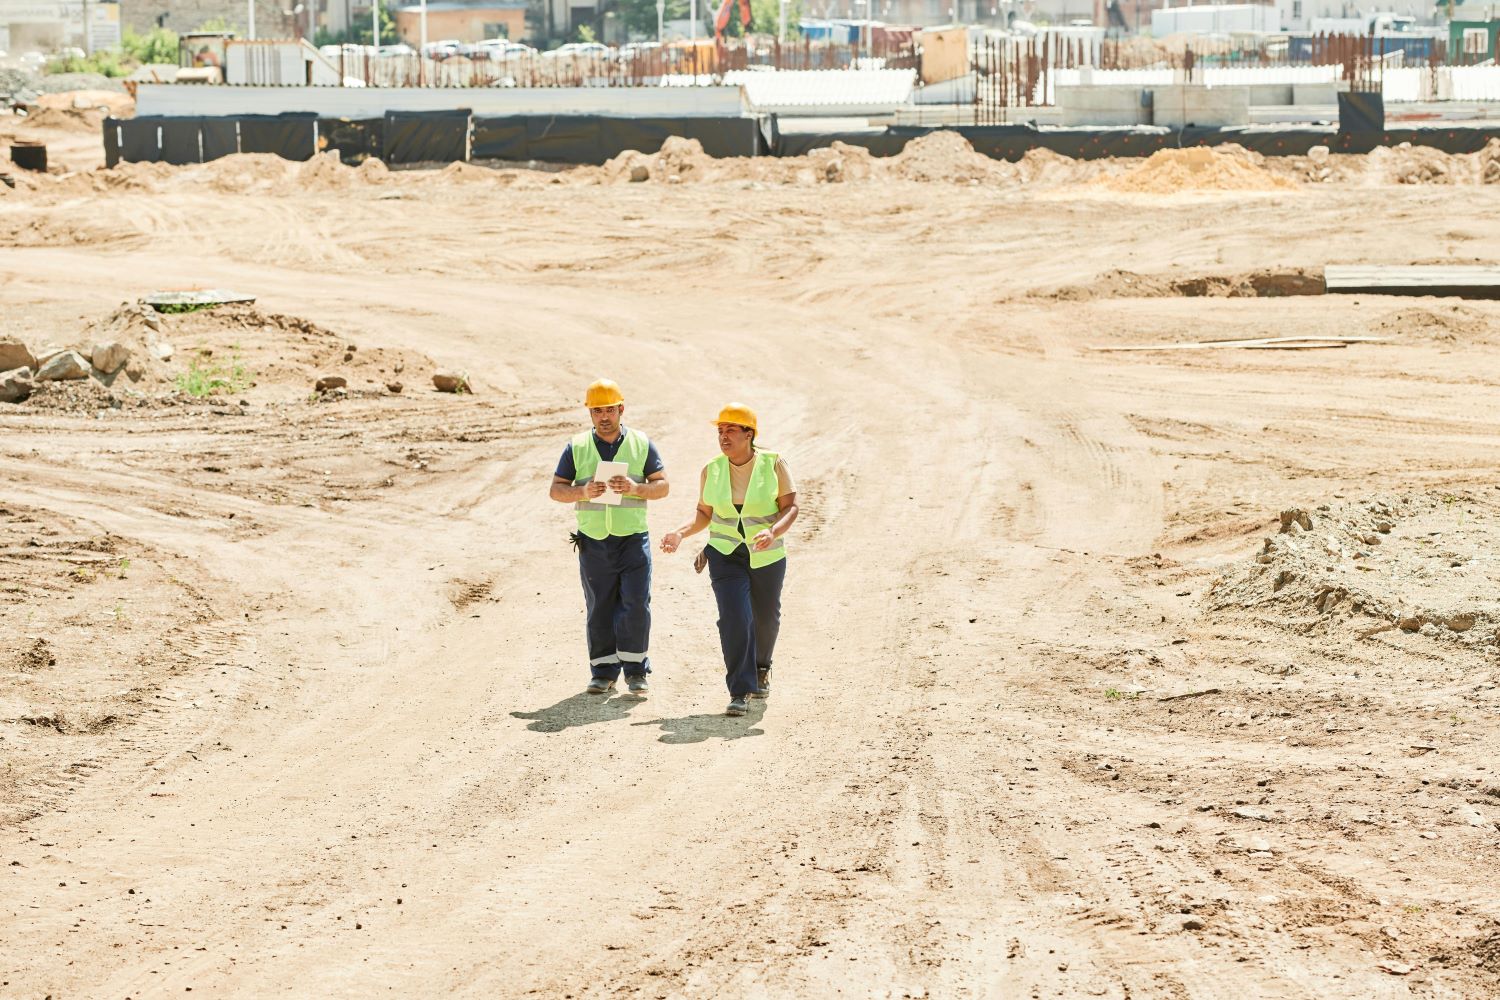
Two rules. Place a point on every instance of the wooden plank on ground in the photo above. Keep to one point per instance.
(1258, 342)
(1461, 280)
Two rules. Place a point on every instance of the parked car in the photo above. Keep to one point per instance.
(575, 50)
(445, 49)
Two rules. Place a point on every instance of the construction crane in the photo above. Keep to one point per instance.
(721, 19)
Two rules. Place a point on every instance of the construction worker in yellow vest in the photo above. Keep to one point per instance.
(747, 501)
(614, 551)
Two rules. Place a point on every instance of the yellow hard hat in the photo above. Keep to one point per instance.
(737, 413)
(602, 392)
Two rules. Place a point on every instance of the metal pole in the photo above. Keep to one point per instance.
(781, 28)
(661, 12)
(423, 18)
(693, 30)
(374, 23)
(250, 32)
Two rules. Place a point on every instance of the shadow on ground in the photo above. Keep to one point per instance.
(697, 728)
(579, 710)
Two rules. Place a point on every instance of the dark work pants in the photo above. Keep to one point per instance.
(749, 615)
(616, 573)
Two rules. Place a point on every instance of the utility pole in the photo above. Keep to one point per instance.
(423, 18)
(661, 12)
(250, 32)
(374, 22)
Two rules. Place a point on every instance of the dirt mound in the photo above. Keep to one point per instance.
(115, 102)
(841, 162)
(1415, 563)
(67, 119)
(1448, 323)
(242, 172)
(945, 155)
(324, 172)
(1043, 166)
(684, 159)
(373, 170)
(1201, 168)
(1268, 284)
(1408, 164)
(457, 172)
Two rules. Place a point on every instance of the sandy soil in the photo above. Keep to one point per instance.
(1066, 705)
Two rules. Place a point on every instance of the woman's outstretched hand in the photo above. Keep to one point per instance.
(670, 541)
(764, 540)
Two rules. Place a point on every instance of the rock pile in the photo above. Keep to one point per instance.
(126, 343)
(1414, 563)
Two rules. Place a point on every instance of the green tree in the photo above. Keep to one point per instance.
(361, 32)
(153, 48)
(640, 15)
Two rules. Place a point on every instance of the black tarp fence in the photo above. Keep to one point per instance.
(1011, 142)
(426, 136)
(354, 139)
(182, 140)
(593, 139)
(429, 137)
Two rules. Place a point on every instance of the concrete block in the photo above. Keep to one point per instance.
(1270, 95)
(1208, 107)
(1304, 94)
(1103, 105)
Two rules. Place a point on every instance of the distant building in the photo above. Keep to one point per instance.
(182, 16)
(1298, 15)
(48, 25)
(463, 21)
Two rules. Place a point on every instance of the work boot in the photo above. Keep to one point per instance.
(600, 685)
(739, 706)
(763, 679)
(636, 683)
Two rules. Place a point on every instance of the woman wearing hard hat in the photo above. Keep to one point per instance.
(747, 501)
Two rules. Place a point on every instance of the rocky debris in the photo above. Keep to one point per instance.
(110, 356)
(1412, 565)
(394, 388)
(1318, 154)
(639, 172)
(448, 382)
(62, 366)
(15, 385)
(162, 350)
(1295, 516)
(13, 354)
(328, 383)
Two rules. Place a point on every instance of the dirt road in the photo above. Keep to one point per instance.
(1026, 740)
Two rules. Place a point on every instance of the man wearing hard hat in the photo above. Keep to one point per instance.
(614, 552)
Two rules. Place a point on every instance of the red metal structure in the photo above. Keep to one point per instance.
(721, 19)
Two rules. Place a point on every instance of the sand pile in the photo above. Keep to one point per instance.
(1200, 168)
(1408, 164)
(66, 119)
(373, 170)
(946, 156)
(839, 163)
(458, 172)
(325, 172)
(1415, 563)
(114, 102)
(243, 172)
(1043, 166)
(1489, 162)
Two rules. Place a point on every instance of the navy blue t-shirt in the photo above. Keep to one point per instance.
(607, 452)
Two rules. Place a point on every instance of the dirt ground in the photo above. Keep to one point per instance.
(1101, 674)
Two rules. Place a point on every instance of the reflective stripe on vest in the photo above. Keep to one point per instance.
(600, 520)
(728, 528)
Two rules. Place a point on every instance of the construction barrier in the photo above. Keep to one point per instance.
(447, 136)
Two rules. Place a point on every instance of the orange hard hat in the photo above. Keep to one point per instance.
(603, 392)
(737, 413)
